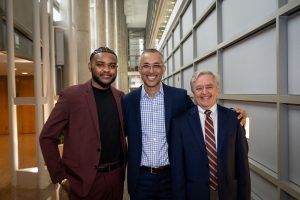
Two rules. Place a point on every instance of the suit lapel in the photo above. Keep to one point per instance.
(136, 106)
(117, 97)
(195, 124)
(168, 108)
(90, 98)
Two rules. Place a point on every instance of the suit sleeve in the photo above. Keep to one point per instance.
(53, 127)
(244, 188)
(177, 162)
(189, 103)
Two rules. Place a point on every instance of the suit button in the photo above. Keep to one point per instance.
(98, 149)
(96, 166)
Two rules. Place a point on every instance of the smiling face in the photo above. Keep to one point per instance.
(205, 89)
(151, 70)
(104, 69)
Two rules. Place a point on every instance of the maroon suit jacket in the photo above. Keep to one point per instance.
(75, 114)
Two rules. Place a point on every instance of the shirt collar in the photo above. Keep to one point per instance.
(144, 93)
(213, 109)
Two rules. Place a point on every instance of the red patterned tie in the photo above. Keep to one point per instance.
(211, 150)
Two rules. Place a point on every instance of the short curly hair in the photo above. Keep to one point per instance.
(101, 50)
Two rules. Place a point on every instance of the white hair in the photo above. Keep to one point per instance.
(197, 74)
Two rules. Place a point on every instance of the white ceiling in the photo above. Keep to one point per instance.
(136, 13)
(21, 65)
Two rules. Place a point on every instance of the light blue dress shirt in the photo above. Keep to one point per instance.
(154, 141)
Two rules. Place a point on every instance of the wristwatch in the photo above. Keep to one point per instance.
(63, 181)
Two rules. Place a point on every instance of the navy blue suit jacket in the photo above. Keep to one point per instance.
(189, 162)
(176, 101)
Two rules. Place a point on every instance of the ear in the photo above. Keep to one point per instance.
(164, 68)
(90, 67)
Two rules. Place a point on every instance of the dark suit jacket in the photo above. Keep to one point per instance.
(176, 101)
(189, 162)
(75, 114)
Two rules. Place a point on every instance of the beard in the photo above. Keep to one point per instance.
(103, 85)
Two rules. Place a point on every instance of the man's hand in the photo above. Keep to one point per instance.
(65, 184)
(242, 116)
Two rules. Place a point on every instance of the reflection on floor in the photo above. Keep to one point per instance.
(4, 161)
(52, 192)
(27, 159)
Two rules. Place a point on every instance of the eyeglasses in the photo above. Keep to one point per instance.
(155, 65)
(102, 65)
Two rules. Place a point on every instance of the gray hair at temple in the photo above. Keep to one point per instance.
(197, 74)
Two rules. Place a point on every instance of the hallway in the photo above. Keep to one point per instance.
(27, 155)
(27, 159)
(49, 193)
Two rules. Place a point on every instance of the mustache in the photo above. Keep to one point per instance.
(103, 85)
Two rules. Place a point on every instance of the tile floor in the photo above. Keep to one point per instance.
(52, 192)
(27, 159)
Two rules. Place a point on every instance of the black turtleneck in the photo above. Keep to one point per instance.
(109, 124)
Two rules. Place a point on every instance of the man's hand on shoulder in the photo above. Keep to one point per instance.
(242, 116)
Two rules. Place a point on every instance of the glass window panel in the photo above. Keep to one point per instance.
(177, 35)
(209, 63)
(293, 54)
(165, 53)
(56, 15)
(171, 81)
(250, 65)
(202, 6)
(239, 15)
(170, 65)
(177, 80)
(294, 138)
(170, 46)
(187, 75)
(188, 51)
(207, 34)
(166, 72)
(262, 125)
(177, 60)
(187, 20)
(261, 188)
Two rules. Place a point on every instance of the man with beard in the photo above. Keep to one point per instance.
(90, 116)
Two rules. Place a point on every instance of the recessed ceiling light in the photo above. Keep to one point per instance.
(24, 73)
